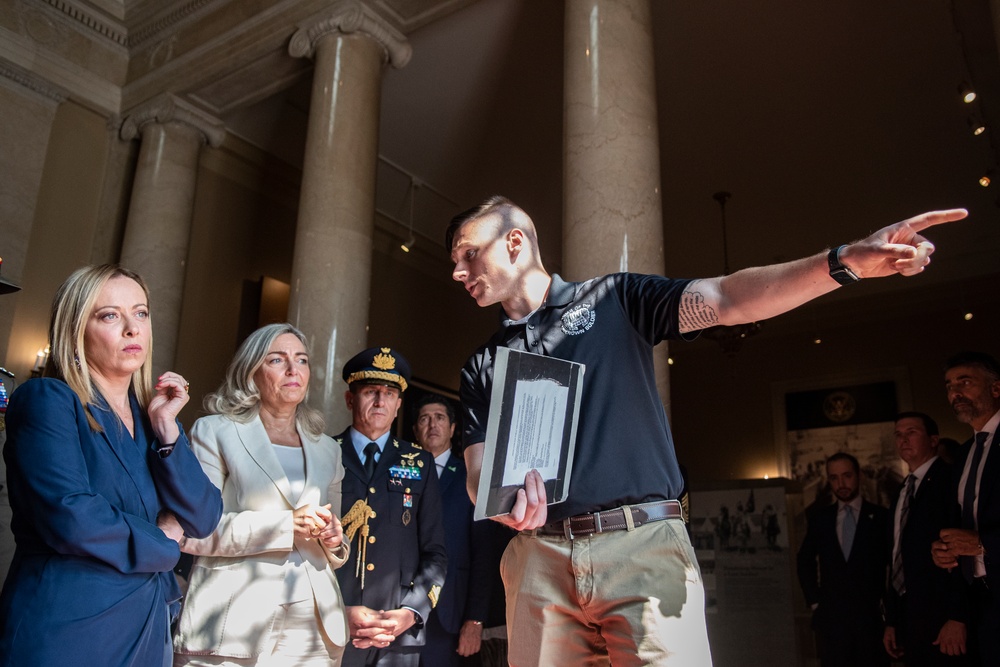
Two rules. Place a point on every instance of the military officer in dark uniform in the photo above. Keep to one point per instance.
(391, 515)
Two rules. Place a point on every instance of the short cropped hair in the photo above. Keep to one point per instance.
(238, 397)
(507, 211)
(929, 424)
(844, 456)
(976, 359)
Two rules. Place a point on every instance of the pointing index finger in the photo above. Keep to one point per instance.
(921, 222)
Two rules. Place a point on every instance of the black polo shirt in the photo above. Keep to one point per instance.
(624, 451)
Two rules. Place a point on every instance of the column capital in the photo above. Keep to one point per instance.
(351, 16)
(170, 108)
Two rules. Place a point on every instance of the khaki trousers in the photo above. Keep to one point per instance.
(620, 598)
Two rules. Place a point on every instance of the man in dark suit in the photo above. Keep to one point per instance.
(926, 606)
(392, 518)
(847, 542)
(972, 380)
(455, 627)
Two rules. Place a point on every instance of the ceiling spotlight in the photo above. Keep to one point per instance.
(410, 242)
(976, 125)
(987, 178)
(967, 93)
(968, 316)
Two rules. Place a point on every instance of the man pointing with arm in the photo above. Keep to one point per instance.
(611, 571)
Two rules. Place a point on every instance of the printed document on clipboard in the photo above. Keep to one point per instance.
(534, 410)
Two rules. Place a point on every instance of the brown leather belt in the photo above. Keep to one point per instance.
(609, 520)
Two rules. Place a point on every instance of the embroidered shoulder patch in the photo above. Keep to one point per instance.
(578, 320)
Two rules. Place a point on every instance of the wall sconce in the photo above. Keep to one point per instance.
(41, 359)
(967, 93)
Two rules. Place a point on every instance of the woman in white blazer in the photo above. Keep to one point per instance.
(262, 589)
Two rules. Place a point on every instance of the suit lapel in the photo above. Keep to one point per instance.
(257, 444)
(319, 466)
(449, 474)
(350, 458)
(991, 470)
(129, 454)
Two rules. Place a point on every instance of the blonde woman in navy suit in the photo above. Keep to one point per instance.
(103, 487)
(262, 589)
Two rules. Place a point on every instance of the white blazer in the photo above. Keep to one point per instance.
(237, 582)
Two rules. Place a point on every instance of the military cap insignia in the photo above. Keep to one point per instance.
(384, 360)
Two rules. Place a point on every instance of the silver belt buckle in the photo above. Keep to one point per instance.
(567, 529)
(598, 528)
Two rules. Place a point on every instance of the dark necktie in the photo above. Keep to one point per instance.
(371, 450)
(897, 560)
(969, 492)
(847, 531)
(968, 563)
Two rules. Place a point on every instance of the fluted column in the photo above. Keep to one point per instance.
(159, 217)
(331, 269)
(611, 164)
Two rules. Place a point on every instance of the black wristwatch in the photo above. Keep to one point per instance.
(838, 271)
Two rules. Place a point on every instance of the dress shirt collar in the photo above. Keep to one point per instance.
(855, 505)
(991, 427)
(441, 460)
(361, 441)
(921, 472)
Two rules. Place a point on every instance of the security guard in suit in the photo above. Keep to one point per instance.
(391, 515)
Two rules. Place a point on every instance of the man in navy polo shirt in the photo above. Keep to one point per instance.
(623, 583)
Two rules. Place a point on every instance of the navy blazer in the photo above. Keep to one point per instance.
(405, 553)
(92, 574)
(988, 506)
(933, 595)
(464, 596)
(852, 586)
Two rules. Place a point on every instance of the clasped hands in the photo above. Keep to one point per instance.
(955, 542)
(318, 522)
(377, 629)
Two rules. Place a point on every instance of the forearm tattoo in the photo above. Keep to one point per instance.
(694, 311)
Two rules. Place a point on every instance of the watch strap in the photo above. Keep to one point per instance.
(838, 271)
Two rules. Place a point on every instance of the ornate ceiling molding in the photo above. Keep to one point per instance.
(82, 16)
(32, 82)
(154, 28)
(351, 16)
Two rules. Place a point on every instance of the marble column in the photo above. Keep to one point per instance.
(159, 218)
(332, 263)
(613, 219)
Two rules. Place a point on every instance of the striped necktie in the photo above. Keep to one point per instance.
(897, 559)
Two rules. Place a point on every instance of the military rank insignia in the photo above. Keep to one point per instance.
(434, 593)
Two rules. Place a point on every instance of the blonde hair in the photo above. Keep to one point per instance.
(72, 306)
(238, 397)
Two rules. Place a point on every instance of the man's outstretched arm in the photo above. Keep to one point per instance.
(759, 293)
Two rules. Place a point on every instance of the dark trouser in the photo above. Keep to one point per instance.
(851, 642)
(408, 657)
(440, 648)
(986, 622)
(917, 631)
